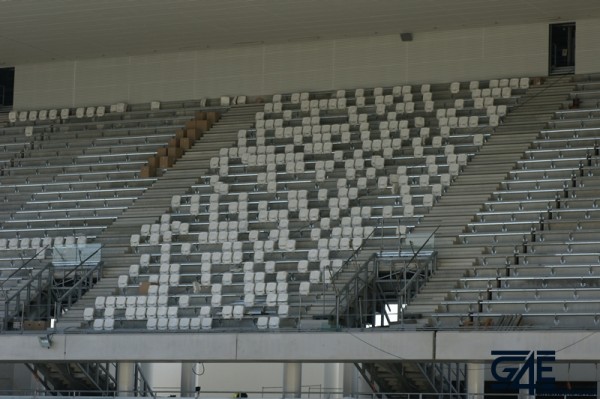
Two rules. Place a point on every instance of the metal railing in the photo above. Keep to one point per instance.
(445, 378)
(352, 290)
(71, 255)
(22, 267)
(58, 297)
(363, 290)
(101, 375)
(74, 292)
(18, 303)
(308, 391)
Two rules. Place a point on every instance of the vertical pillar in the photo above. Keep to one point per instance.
(597, 382)
(524, 394)
(333, 380)
(188, 379)
(126, 379)
(350, 380)
(363, 388)
(475, 380)
(292, 380)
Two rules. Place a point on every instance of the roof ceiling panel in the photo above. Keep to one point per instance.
(40, 30)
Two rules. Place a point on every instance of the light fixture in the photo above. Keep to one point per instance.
(45, 341)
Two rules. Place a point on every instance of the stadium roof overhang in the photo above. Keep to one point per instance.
(42, 30)
(389, 345)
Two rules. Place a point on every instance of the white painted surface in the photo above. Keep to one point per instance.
(224, 347)
(433, 57)
(188, 379)
(582, 346)
(126, 378)
(475, 379)
(334, 380)
(477, 346)
(252, 378)
(292, 380)
(586, 48)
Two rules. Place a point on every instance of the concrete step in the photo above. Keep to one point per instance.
(154, 202)
(467, 195)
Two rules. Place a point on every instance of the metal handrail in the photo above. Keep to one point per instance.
(82, 263)
(362, 267)
(22, 266)
(74, 287)
(333, 276)
(362, 273)
(67, 294)
(352, 256)
(344, 294)
(416, 254)
(84, 370)
(110, 377)
(28, 287)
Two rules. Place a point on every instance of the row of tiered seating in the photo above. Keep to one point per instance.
(115, 112)
(540, 233)
(258, 242)
(25, 117)
(71, 177)
(79, 176)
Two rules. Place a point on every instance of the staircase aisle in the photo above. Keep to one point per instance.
(475, 185)
(155, 201)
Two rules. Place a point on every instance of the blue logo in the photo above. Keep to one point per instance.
(516, 370)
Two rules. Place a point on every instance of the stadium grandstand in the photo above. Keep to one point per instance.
(299, 199)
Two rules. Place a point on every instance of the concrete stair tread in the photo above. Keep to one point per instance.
(469, 192)
(155, 201)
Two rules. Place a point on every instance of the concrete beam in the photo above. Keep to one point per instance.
(222, 347)
(580, 346)
(341, 347)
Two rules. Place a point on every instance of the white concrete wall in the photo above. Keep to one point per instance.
(267, 377)
(16, 379)
(586, 46)
(219, 379)
(499, 51)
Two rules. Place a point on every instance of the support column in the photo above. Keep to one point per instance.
(363, 388)
(475, 380)
(524, 394)
(126, 379)
(350, 380)
(188, 379)
(292, 380)
(597, 382)
(333, 380)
